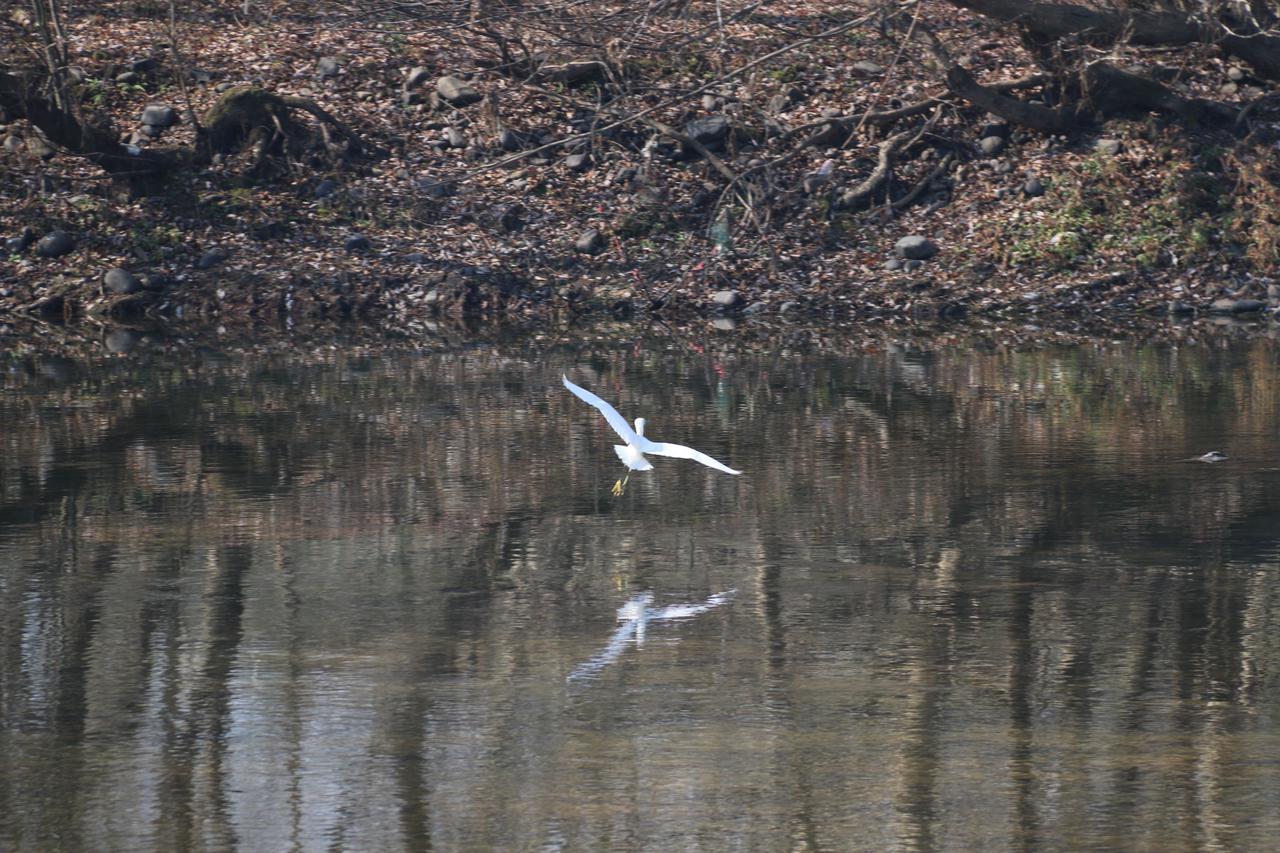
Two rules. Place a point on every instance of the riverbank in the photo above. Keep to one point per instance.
(514, 207)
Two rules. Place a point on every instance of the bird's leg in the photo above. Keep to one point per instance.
(619, 486)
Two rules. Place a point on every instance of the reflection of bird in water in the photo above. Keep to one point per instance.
(634, 616)
(632, 453)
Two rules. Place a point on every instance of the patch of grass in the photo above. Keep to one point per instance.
(150, 236)
(1108, 210)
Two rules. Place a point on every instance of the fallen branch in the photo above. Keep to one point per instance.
(860, 195)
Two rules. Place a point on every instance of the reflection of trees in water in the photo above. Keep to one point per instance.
(449, 518)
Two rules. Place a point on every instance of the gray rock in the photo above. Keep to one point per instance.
(590, 242)
(151, 131)
(509, 141)
(1228, 88)
(915, 248)
(755, 308)
(55, 244)
(1235, 74)
(328, 66)
(992, 145)
(778, 103)
(128, 78)
(38, 146)
(867, 68)
(912, 265)
(356, 243)
(19, 244)
(723, 324)
(455, 138)
(153, 281)
(726, 299)
(121, 341)
(1176, 308)
(159, 115)
(1228, 305)
(457, 91)
(325, 188)
(120, 280)
(994, 128)
(416, 77)
(1033, 188)
(578, 162)
(893, 265)
(710, 131)
(1110, 147)
(410, 99)
(509, 216)
(432, 188)
(212, 258)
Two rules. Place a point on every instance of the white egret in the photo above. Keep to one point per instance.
(637, 445)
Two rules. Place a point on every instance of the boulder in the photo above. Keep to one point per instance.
(55, 244)
(1229, 305)
(212, 258)
(709, 131)
(19, 244)
(1109, 147)
(578, 162)
(416, 77)
(991, 145)
(726, 299)
(120, 280)
(509, 141)
(457, 91)
(356, 243)
(590, 242)
(432, 188)
(38, 146)
(915, 248)
(121, 341)
(159, 115)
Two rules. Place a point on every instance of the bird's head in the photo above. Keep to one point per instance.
(639, 426)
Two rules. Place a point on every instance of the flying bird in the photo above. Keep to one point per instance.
(632, 453)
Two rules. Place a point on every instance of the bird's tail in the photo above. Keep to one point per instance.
(632, 458)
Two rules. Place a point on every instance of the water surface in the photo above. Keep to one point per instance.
(976, 600)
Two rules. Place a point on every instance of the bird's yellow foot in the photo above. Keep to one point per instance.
(618, 487)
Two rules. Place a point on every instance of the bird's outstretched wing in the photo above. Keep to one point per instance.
(684, 611)
(617, 421)
(679, 451)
